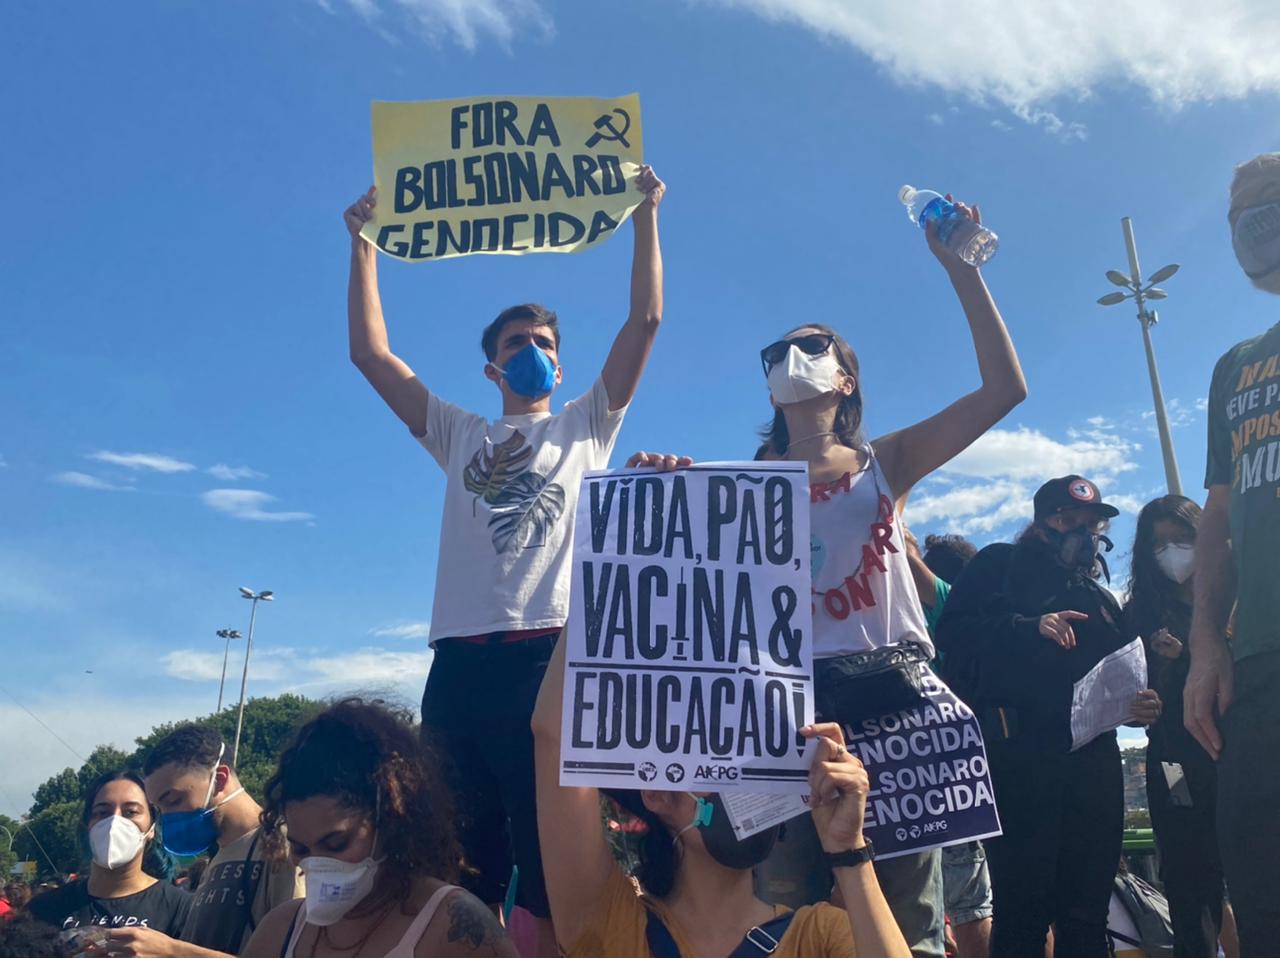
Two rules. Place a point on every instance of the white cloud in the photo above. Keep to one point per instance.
(1029, 454)
(249, 504)
(82, 480)
(936, 119)
(141, 460)
(234, 473)
(404, 630)
(268, 665)
(393, 671)
(372, 667)
(1028, 55)
(463, 21)
(1009, 466)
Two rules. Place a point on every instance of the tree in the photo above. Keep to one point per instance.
(56, 790)
(52, 834)
(104, 758)
(52, 838)
(7, 855)
(268, 725)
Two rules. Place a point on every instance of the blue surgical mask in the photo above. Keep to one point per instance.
(529, 373)
(1256, 240)
(186, 834)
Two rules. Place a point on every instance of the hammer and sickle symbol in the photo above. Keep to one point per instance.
(607, 129)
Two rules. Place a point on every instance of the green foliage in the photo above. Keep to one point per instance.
(7, 854)
(56, 790)
(268, 724)
(54, 817)
(52, 838)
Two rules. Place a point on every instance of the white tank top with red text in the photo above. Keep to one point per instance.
(864, 597)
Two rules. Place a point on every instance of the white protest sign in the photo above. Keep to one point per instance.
(688, 663)
(1103, 699)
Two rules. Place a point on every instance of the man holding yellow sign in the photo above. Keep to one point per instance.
(504, 176)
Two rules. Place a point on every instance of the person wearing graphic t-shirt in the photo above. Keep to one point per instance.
(1230, 701)
(190, 778)
(502, 581)
(119, 893)
(864, 595)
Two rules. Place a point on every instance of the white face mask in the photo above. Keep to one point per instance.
(115, 841)
(801, 376)
(1176, 560)
(334, 887)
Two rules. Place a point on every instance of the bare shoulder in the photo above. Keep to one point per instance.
(465, 928)
(269, 937)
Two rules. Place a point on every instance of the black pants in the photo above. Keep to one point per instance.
(1249, 803)
(1063, 820)
(476, 712)
(1190, 867)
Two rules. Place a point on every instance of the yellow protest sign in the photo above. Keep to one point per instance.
(502, 174)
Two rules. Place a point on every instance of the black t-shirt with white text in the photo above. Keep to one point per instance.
(162, 907)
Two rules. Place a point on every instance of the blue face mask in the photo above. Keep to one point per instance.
(530, 373)
(186, 834)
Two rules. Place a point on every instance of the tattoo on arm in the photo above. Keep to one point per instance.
(472, 924)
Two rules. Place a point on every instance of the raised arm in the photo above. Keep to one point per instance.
(576, 860)
(1209, 684)
(631, 348)
(838, 787)
(367, 330)
(910, 454)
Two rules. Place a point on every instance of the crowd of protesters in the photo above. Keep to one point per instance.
(378, 838)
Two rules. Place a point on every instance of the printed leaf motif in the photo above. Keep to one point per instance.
(493, 466)
(524, 511)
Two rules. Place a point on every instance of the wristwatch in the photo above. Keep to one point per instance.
(853, 857)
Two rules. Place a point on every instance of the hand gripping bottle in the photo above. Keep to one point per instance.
(972, 242)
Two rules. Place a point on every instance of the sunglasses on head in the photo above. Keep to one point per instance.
(814, 344)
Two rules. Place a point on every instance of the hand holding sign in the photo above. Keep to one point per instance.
(661, 462)
(360, 212)
(654, 189)
(838, 786)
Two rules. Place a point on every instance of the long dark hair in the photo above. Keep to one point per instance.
(1153, 595)
(657, 858)
(368, 756)
(156, 862)
(848, 425)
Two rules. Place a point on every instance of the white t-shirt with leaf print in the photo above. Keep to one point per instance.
(506, 540)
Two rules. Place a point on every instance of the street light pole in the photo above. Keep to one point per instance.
(255, 598)
(1146, 319)
(227, 634)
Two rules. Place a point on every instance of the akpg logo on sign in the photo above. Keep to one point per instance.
(716, 773)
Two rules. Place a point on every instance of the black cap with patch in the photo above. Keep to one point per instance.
(1070, 492)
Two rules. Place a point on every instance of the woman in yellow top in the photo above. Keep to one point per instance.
(696, 876)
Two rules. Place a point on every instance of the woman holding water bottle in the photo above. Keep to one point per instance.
(869, 635)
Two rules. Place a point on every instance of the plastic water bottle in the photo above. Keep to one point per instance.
(972, 242)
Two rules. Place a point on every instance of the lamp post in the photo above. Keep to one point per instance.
(227, 634)
(255, 598)
(1146, 319)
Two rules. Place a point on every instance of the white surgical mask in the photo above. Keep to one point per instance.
(334, 887)
(115, 841)
(1176, 560)
(800, 376)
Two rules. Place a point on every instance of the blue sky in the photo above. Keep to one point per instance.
(182, 418)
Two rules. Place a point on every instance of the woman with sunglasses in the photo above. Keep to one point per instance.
(870, 638)
(1024, 622)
